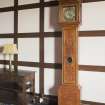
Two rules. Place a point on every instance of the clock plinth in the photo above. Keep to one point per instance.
(69, 15)
(69, 95)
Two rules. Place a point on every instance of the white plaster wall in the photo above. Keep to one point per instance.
(92, 52)
(22, 2)
(52, 81)
(51, 19)
(28, 20)
(93, 17)
(28, 49)
(92, 86)
(6, 22)
(6, 3)
(52, 50)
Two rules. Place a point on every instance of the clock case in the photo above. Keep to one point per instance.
(66, 4)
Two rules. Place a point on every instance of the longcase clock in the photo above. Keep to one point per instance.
(69, 20)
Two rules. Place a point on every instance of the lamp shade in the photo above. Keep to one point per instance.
(10, 49)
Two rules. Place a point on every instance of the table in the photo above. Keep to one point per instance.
(15, 85)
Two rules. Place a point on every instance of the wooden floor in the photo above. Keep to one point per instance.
(55, 104)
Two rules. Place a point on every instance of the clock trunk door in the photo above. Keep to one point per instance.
(70, 55)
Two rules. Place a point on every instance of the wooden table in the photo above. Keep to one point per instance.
(16, 83)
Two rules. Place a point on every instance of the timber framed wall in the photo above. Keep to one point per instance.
(41, 35)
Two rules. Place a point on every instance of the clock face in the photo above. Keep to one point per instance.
(69, 14)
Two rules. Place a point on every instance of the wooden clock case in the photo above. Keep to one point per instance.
(68, 3)
(69, 91)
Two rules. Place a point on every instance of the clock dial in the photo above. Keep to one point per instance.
(69, 14)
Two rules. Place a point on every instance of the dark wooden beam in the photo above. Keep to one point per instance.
(92, 68)
(6, 9)
(92, 33)
(53, 65)
(4, 62)
(41, 72)
(53, 34)
(28, 64)
(91, 103)
(8, 35)
(21, 63)
(28, 35)
(29, 6)
(51, 3)
(86, 1)
(15, 32)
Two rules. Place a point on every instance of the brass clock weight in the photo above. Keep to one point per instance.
(69, 20)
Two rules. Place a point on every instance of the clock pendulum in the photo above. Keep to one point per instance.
(69, 20)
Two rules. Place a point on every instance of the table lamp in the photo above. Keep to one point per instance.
(10, 49)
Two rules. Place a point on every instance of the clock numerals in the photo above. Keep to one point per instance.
(69, 14)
